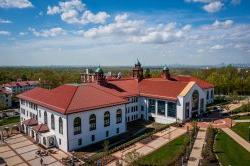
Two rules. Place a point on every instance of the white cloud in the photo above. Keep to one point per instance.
(75, 12)
(5, 33)
(213, 7)
(121, 25)
(23, 33)
(2, 21)
(15, 4)
(162, 34)
(219, 25)
(53, 32)
(217, 47)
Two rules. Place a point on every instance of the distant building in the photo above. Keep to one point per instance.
(72, 116)
(20, 86)
(5, 98)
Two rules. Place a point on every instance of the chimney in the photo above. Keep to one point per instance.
(166, 73)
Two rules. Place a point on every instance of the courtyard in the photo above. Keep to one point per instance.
(20, 151)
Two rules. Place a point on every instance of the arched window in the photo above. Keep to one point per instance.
(77, 125)
(45, 118)
(195, 100)
(106, 119)
(119, 116)
(92, 122)
(52, 122)
(60, 126)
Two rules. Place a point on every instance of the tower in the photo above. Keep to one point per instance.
(99, 74)
(138, 71)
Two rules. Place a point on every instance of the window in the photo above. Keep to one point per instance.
(107, 133)
(207, 95)
(60, 126)
(212, 94)
(44, 140)
(60, 141)
(195, 100)
(77, 125)
(23, 111)
(93, 138)
(119, 116)
(39, 112)
(117, 130)
(161, 107)
(92, 122)
(202, 105)
(45, 118)
(172, 109)
(142, 108)
(187, 110)
(151, 106)
(79, 141)
(22, 102)
(52, 122)
(106, 119)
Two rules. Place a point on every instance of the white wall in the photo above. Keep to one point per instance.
(63, 136)
(100, 131)
(188, 98)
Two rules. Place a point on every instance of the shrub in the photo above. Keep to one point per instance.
(207, 151)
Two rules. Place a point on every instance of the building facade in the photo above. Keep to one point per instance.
(5, 99)
(76, 115)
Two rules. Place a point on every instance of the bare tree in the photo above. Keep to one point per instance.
(132, 157)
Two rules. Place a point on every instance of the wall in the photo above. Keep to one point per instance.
(100, 131)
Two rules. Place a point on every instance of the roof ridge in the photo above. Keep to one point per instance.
(71, 99)
(105, 91)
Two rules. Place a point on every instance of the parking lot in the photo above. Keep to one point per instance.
(20, 151)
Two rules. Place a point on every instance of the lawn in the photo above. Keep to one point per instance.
(167, 153)
(230, 152)
(243, 117)
(9, 120)
(242, 129)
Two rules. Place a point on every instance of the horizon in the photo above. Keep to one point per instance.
(92, 32)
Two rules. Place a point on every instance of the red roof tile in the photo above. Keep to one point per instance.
(203, 84)
(41, 128)
(20, 83)
(68, 99)
(30, 122)
(161, 88)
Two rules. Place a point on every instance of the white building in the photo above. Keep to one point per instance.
(74, 116)
(5, 98)
(20, 86)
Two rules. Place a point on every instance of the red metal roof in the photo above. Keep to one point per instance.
(203, 84)
(30, 122)
(68, 99)
(41, 128)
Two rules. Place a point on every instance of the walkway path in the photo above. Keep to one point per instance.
(195, 155)
(148, 145)
(237, 138)
(242, 121)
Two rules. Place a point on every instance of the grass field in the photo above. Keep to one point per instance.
(9, 120)
(167, 153)
(230, 152)
(242, 129)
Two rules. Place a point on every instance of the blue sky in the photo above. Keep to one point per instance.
(117, 32)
